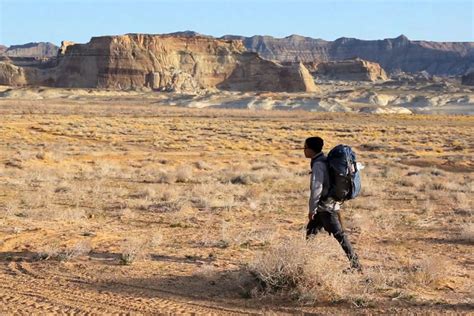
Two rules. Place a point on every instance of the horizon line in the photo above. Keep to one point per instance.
(237, 35)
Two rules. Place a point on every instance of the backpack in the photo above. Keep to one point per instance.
(344, 176)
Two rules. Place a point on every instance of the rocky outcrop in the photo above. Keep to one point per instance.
(437, 58)
(354, 69)
(157, 61)
(254, 73)
(3, 48)
(293, 48)
(64, 46)
(11, 75)
(182, 63)
(38, 50)
(468, 79)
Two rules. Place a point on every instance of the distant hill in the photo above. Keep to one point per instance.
(40, 50)
(393, 54)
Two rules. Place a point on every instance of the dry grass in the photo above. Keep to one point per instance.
(308, 271)
(467, 232)
(221, 187)
(133, 249)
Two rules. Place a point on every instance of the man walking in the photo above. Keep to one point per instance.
(324, 210)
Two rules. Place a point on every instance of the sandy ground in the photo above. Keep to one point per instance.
(116, 206)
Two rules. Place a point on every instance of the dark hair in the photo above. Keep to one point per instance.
(315, 143)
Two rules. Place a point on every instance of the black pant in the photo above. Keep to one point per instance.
(330, 222)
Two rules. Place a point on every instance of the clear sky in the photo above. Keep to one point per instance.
(23, 21)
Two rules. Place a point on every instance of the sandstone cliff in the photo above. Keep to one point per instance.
(38, 50)
(11, 75)
(293, 48)
(184, 63)
(157, 61)
(438, 58)
(353, 69)
(268, 76)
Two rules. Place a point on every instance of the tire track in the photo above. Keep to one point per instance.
(53, 292)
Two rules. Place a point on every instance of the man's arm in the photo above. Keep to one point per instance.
(317, 179)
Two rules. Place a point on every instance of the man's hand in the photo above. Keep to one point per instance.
(310, 216)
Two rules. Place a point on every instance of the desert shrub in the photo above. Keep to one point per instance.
(210, 196)
(463, 202)
(406, 182)
(105, 170)
(436, 172)
(428, 206)
(429, 271)
(79, 249)
(202, 165)
(146, 193)
(245, 179)
(452, 186)
(172, 206)
(9, 209)
(166, 177)
(48, 251)
(438, 185)
(126, 214)
(467, 232)
(54, 251)
(169, 194)
(133, 249)
(184, 174)
(389, 172)
(310, 270)
(50, 213)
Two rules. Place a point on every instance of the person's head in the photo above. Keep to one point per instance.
(313, 146)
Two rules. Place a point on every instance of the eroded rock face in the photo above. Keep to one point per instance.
(38, 50)
(254, 73)
(11, 75)
(294, 48)
(64, 46)
(437, 58)
(354, 69)
(468, 79)
(169, 63)
(157, 61)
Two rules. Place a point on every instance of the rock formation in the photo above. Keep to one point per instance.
(11, 75)
(293, 48)
(183, 63)
(437, 58)
(156, 61)
(266, 75)
(3, 48)
(353, 69)
(393, 54)
(64, 46)
(38, 50)
(468, 79)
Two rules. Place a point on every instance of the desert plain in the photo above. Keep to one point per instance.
(121, 204)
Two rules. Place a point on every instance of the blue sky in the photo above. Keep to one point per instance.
(23, 21)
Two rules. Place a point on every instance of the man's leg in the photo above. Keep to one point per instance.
(314, 225)
(332, 225)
